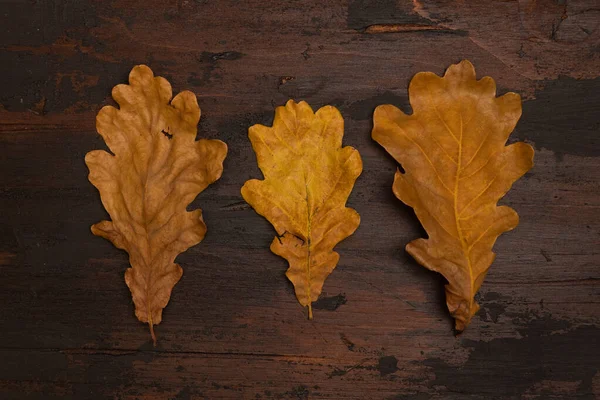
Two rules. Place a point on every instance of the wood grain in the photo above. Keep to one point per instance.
(233, 328)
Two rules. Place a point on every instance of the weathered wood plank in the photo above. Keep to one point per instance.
(233, 328)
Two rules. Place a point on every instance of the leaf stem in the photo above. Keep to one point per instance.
(310, 311)
(152, 329)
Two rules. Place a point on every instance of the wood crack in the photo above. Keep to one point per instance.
(404, 28)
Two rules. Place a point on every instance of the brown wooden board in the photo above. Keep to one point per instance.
(233, 328)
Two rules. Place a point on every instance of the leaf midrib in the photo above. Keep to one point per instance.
(461, 238)
(308, 251)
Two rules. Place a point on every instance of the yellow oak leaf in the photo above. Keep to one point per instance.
(157, 168)
(457, 168)
(308, 178)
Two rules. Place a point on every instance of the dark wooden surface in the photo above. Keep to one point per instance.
(233, 328)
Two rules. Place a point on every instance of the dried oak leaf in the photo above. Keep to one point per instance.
(157, 170)
(308, 178)
(457, 168)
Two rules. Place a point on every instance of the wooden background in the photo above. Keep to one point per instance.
(233, 328)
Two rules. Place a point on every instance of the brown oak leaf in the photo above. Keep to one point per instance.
(157, 168)
(308, 178)
(457, 168)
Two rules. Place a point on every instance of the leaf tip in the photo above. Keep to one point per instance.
(140, 72)
(382, 108)
(187, 103)
(297, 108)
(466, 64)
(465, 69)
(290, 103)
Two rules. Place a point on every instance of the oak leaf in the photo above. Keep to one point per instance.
(457, 168)
(308, 178)
(157, 168)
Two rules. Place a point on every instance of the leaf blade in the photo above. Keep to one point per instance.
(308, 177)
(457, 168)
(155, 170)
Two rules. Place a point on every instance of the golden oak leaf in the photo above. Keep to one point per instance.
(457, 168)
(157, 170)
(308, 178)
